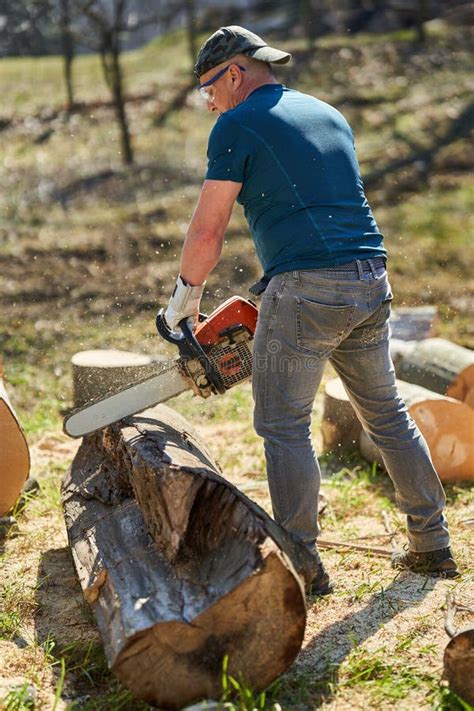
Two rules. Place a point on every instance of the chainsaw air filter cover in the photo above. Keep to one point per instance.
(226, 336)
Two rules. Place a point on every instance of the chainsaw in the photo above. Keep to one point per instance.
(212, 359)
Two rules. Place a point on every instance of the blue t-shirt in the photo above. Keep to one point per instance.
(302, 192)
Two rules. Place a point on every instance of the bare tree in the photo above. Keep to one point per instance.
(191, 28)
(309, 18)
(421, 16)
(67, 49)
(105, 25)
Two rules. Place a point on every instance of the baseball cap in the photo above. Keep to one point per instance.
(229, 41)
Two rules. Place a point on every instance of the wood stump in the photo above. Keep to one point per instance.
(440, 366)
(14, 453)
(98, 372)
(340, 426)
(180, 568)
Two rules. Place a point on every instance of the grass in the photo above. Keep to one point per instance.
(89, 251)
(383, 679)
(237, 695)
(19, 699)
(10, 623)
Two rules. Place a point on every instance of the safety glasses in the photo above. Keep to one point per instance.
(206, 90)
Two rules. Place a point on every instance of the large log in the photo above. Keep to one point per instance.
(180, 568)
(14, 453)
(446, 424)
(440, 366)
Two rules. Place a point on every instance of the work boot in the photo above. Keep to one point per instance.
(320, 585)
(439, 563)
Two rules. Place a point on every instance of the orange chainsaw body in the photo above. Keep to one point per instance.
(234, 313)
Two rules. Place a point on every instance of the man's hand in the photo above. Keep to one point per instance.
(184, 303)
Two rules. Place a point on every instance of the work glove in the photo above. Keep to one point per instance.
(184, 303)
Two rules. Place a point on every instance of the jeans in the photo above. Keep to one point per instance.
(340, 314)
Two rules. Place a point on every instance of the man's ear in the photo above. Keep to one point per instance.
(234, 74)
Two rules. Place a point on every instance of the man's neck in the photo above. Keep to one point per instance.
(256, 84)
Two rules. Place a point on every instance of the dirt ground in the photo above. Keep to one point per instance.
(387, 628)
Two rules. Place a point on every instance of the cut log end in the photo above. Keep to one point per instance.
(15, 457)
(459, 665)
(448, 428)
(462, 387)
(258, 626)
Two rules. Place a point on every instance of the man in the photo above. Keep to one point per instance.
(289, 159)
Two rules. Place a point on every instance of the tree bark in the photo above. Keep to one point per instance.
(440, 366)
(309, 21)
(117, 92)
(459, 653)
(191, 29)
(459, 663)
(68, 51)
(421, 16)
(180, 568)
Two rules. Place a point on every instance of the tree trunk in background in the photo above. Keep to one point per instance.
(68, 50)
(179, 567)
(110, 49)
(310, 21)
(191, 29)
(117, 93)
(447, 425)
(110, 58)
(421, 15)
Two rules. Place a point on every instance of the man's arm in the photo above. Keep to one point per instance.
(202, 248)
(203, 245)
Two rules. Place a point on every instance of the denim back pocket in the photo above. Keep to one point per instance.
(321, 327)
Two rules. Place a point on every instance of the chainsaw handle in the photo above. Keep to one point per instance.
(189, 346)
(165, 332)
(199, 353)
